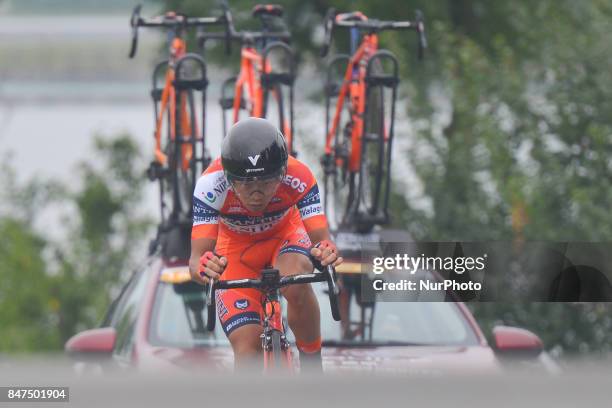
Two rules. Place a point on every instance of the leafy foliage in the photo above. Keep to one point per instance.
(51, 289)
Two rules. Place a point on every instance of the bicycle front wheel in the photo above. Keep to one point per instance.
(371, 172)
(276, 358)
(180, 152)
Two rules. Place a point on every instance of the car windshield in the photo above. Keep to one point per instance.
(179, 317)
(179, 320)
(396, 323)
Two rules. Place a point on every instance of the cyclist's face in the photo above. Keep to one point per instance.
(256, 195)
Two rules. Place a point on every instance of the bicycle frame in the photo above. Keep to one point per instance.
(273, 321)
(251, 63)
(354, 86)
(270, 283)
(369, 152)
(256, 75)
(175, 112)
(169, 97)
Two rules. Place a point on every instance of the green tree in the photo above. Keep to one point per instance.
(105, 239)
(27, 312)
(51, 289)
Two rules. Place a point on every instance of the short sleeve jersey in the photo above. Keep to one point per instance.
(215, 204)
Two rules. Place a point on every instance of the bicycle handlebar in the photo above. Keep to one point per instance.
(231, 34)
(375, 26)
(262, 284)
(328, 275)
(246, 36)
(169, 20)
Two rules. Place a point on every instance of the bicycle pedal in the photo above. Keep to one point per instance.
(390, 81)
(365, 219)
(184, 139)
(332, 89)
(155, 171)
(271, 79)
(371, 137)
(187, 84)
(228, 103)
(329, 164)
(156, 94)
(342, 152)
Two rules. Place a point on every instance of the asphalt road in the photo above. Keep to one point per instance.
(580, 385)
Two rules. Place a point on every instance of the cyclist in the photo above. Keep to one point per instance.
(256, 207)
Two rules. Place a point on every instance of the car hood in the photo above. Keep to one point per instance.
(418, 360)
(217, 358)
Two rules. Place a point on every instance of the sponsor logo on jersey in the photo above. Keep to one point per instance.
(311, 211)
(253, 224)
(210, 197)
(312, 197)
(221, 186)
(304, 239)
(295, 183)
(241, 304)
(203, 214)
(275, 200)
(241, 320)
(234, 209)
(221, 308)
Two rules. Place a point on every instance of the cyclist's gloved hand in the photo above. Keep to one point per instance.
(325, 253)
(212, 265)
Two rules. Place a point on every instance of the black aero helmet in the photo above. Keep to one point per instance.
(253, 149)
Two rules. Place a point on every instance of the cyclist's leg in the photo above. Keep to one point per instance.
(239, 312)
(303, 308)
(246, 344)
(303, 312)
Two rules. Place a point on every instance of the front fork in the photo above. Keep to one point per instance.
(273, 321)
(273, 325)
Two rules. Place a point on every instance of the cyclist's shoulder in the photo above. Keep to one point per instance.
(214, 167)
(213, 175)
(299, 178)
(299, 169)
(212, 186)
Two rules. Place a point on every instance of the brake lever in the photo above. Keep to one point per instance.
(228, 23)
(420, 21)
(134, 20)
(209, 298)
(329, 26)
(333, 279)
(200, 38)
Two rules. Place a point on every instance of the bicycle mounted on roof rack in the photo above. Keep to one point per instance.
(258, 76)
(181, 155)
(357, 166)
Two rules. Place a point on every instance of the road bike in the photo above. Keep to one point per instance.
(276, 348)
(358, 141)
(267, 67)
(180, 145)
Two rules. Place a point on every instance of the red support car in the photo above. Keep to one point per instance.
(158, 322)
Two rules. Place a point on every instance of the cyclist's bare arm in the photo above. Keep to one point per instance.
(328, 255)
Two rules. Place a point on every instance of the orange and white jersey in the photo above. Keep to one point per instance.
(215, 204)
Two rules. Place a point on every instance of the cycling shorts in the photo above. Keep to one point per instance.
(246, 257)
